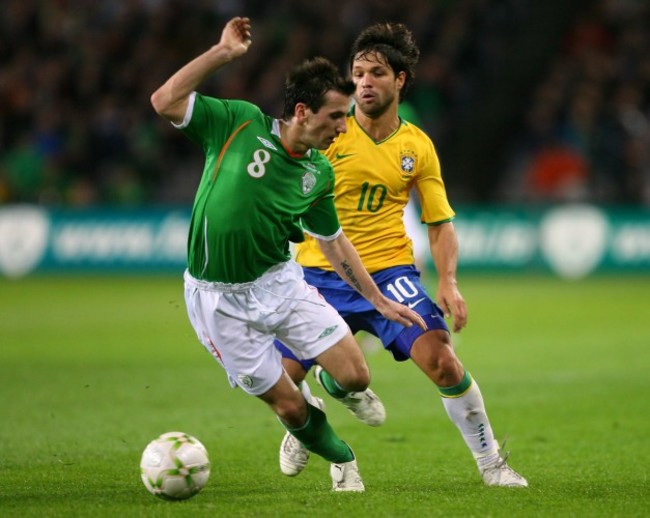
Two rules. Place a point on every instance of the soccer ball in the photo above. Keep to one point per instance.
(175, 466)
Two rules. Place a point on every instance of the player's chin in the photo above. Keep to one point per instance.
(368, 103)
(327, 142)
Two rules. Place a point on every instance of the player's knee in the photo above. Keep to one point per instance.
(436, 357)
(292, 412)
(357, 380)
(448, 365)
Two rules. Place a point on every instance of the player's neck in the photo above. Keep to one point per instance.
(291, 144)
(378, 127)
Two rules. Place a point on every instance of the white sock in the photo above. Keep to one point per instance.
(467, 412)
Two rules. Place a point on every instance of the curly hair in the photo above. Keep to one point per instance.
(393, 41)
(310, 81)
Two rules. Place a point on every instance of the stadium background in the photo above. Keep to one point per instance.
(539, 112)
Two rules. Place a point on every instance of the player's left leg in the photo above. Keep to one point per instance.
(364, 405)
(308, 424)
(433, 353)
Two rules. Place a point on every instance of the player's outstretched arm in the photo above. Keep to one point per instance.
(346, 261)
(444, 250)
(170, 100)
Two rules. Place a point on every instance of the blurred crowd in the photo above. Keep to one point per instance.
(77, 129)
(586, 132)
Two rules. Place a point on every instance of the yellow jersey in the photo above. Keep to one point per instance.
(373, 184)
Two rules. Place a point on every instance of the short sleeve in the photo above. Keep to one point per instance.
(321, 220)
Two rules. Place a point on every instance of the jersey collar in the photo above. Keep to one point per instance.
(351, 113)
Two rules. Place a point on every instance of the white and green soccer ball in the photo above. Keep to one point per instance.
(175, 466)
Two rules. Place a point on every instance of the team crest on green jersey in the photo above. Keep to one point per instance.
(308, 182)
(407, 159)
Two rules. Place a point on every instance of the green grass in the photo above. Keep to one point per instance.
(92, 368)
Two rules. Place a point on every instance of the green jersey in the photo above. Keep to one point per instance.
(254, 196)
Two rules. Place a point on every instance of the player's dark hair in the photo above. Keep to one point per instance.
(395, 42)
(310, 81)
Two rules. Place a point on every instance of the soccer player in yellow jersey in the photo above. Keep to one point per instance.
(378, 163)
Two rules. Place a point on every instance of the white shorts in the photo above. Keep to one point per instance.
(237, 323)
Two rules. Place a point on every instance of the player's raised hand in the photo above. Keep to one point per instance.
(400, 313)
(236, 36)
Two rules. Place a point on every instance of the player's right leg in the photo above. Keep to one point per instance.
(364, 405)
(311, 328)
(308, 424)
(293, 453)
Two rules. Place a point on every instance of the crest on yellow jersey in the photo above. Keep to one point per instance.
(407, 161)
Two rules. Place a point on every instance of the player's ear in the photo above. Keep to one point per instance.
(400, 79)
(300, 112)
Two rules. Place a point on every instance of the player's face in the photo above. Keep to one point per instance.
(323, 126)
(377, 85)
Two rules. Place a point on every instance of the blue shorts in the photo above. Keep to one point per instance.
(400, 283)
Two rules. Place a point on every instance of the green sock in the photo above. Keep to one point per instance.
(331, 386)
(318, 436)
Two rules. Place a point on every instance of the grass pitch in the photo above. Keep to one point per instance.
(93, 368)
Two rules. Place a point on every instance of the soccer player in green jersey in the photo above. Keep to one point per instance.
(264, 181)
(379, 162)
